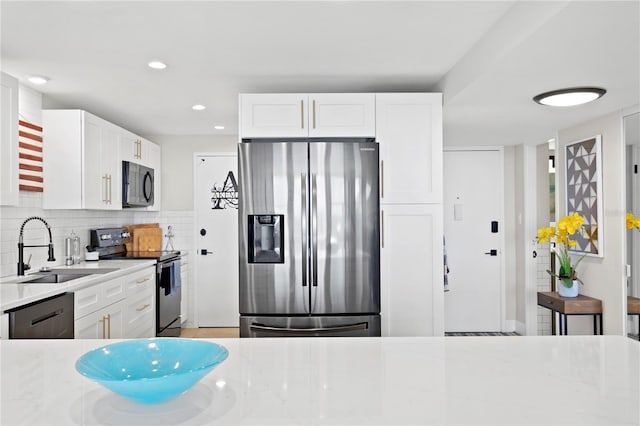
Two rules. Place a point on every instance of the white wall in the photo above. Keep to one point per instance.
(509, 232)
(604, 278)
(177, 165)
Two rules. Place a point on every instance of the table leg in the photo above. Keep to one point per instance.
(566, 330)
(601, 330)
(595, 324)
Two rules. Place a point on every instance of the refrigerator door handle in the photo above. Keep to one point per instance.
(314, 230)
(305, 260)
(341, 328)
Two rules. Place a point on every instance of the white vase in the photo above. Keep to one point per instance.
(565, 291)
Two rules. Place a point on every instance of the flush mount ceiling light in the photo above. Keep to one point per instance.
(218, 127)
(570, 97)
(198, 107)
(37, 79)
(157, 65)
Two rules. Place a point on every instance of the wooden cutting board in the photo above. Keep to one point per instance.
(146, 237)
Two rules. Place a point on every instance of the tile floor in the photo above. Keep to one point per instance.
(211, 332)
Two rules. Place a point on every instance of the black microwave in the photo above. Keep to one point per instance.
(137, 185)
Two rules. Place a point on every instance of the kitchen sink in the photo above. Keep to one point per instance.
(54, 278)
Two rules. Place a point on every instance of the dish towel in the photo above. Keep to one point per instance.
(176, 281)
(446, 267)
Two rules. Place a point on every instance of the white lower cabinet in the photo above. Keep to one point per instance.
(106, 323)
(140, 308)
(411, 270)
(184, 278)
(119, 308)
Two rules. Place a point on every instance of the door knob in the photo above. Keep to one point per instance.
(205, 252)
(492, 252)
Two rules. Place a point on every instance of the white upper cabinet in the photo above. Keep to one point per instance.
(153, 158)
(409, 131)
(9, 193)
(137, 150)
(81, 155)
(307, 115)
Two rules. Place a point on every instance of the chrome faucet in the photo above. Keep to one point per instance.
(21, 266)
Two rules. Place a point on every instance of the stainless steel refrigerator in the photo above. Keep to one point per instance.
(309, 239)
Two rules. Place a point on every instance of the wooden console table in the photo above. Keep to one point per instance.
(581, 305)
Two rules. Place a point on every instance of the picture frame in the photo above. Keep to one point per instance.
(583, 190)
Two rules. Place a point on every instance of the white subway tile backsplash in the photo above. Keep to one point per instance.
(63, 222)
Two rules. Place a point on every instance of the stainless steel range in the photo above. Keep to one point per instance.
(110, 244)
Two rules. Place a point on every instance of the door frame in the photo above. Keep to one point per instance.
(501, 218)
(193, 308)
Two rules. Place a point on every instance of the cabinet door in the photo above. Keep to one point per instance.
(411, 270)
(102, 176)
(409, 131)
(139, 315)
(9, 194)
(106, 323)
(273, 116)
(152, 154)
(130, 147)
(342, 115)
(185, 289)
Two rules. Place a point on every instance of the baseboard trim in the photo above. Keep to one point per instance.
(509, 326)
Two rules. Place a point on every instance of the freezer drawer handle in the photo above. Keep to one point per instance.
(342, 328)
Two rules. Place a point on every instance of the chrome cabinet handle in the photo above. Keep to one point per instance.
(142, 308)
(303, 185)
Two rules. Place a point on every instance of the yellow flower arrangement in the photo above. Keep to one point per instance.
(566, 227)
(633, 222)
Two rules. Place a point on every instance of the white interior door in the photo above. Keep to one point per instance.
(216, 239)
(473, 199)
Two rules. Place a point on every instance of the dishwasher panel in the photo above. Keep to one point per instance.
(45, 319)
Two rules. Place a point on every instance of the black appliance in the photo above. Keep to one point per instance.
(110, 244)
(137, 185)
(51, 318)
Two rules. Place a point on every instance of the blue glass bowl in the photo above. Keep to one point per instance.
(151, 371)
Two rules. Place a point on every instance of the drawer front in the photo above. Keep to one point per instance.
(141, 281)
(88, 300)
(113, 291)
(139, 313)
(550, 303)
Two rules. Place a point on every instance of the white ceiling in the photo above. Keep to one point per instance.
(489, 58)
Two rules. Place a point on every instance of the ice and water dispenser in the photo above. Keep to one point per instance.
(266, 238)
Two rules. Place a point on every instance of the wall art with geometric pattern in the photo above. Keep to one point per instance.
(584, 192)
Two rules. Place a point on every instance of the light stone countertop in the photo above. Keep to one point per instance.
(14, 294)
(545, 380)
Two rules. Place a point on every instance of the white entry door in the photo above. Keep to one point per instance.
(473, 227)
(216, 239)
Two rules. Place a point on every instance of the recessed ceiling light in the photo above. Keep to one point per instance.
(570, 97)
(218, 127)
(37, 79)
(157, 65)
(198, 107)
